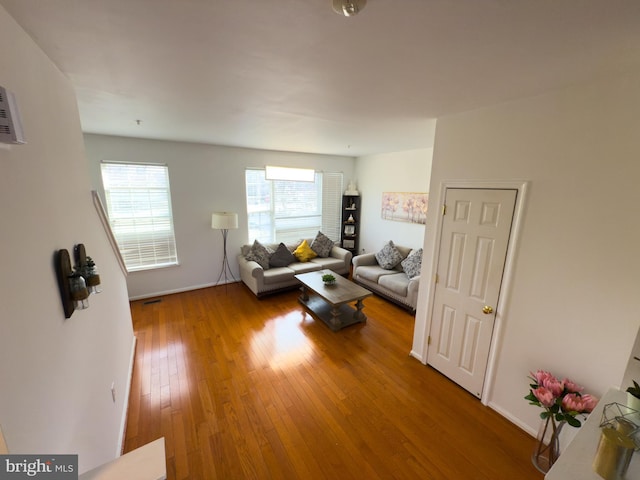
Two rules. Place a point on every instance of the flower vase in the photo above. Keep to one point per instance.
(547, 449)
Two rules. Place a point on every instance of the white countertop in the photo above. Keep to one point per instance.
(144, 463)
(575, 462)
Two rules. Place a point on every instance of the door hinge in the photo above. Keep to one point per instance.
(444, 210)
(437, 278)
(429, 340)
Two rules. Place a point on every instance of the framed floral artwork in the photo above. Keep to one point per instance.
(405, 206)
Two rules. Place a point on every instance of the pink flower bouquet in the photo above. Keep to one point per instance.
(561, 399)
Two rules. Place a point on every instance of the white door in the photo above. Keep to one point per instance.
(473, 247)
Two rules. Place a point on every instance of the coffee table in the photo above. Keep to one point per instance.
(330, 302)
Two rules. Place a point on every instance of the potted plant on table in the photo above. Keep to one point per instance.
(328, 279)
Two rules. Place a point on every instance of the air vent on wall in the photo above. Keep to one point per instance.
(10, 125)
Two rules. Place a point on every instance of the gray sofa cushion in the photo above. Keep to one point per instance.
(389, 256)
(397, 283)
(373, 272)
(278, 275)
(329, 263)
(303, 267)
(412, 264)
(281, 257)
(322, 245)
(260, 254)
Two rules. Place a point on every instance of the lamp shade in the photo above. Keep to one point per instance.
(224, 220)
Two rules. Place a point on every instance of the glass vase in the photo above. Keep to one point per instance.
(547, 448)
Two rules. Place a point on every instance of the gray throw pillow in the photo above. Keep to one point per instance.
(259, 253)
(389, 256)
(322, 245)
(281, 257)
(412, 264)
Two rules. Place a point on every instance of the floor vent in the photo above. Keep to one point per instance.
(149, 302)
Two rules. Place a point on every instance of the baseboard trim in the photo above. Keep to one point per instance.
(417, 356)
(178, 290)
(512, 419)
(125, 412)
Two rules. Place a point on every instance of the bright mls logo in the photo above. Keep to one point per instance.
(51, 467)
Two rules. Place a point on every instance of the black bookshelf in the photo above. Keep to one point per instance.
(350, 223)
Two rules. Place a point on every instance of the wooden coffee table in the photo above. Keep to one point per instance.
(330, 302)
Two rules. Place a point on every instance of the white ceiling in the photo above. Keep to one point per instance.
(292, 75)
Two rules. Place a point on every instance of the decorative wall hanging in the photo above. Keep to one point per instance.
(405, 206)
(76, 284)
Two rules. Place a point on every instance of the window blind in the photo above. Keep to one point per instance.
(138, 202)
(331, 205)
(287, 211)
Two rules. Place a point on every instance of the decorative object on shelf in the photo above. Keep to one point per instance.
(619, 438)
(351, 191)
(405, 207)
(76, 284)
(328, 279)
(562, 401)
(348, 8)
(224, 221)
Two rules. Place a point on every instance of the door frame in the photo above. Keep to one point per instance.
(522, 187)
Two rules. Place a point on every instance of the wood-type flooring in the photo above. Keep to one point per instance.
(243, 388)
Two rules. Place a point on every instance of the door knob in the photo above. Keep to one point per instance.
(487, 309)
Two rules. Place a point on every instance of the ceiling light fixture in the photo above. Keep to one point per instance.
(348, 8)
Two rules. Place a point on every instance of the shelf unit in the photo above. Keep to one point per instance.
(350, 223)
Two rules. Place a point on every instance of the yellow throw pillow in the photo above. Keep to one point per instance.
(304, 253)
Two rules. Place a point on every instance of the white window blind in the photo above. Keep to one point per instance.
(332, 205)
(287, 211)
(138, 202)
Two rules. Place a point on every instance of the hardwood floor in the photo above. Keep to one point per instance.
(259, 389)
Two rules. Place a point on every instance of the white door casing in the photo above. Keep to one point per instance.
(473, 249)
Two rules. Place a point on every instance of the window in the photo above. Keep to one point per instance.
(286, 210)
(139, 207)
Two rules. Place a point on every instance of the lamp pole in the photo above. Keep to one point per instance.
(225, 260)
(224, 221)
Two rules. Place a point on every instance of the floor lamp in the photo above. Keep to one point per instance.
(224, 221)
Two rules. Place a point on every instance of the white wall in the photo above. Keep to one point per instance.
(574, 304)
(407, 171)
(204, 179)
(55, 374)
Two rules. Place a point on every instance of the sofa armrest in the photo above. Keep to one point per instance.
(341, 253)
(250, 267)
(364, 259)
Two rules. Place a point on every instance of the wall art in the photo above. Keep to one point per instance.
(405, 206)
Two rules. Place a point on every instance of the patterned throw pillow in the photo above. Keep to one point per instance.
(304, 253)
(412, 264)
(281, 257)
(389, 256)
(259, 253)
(322, 245)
